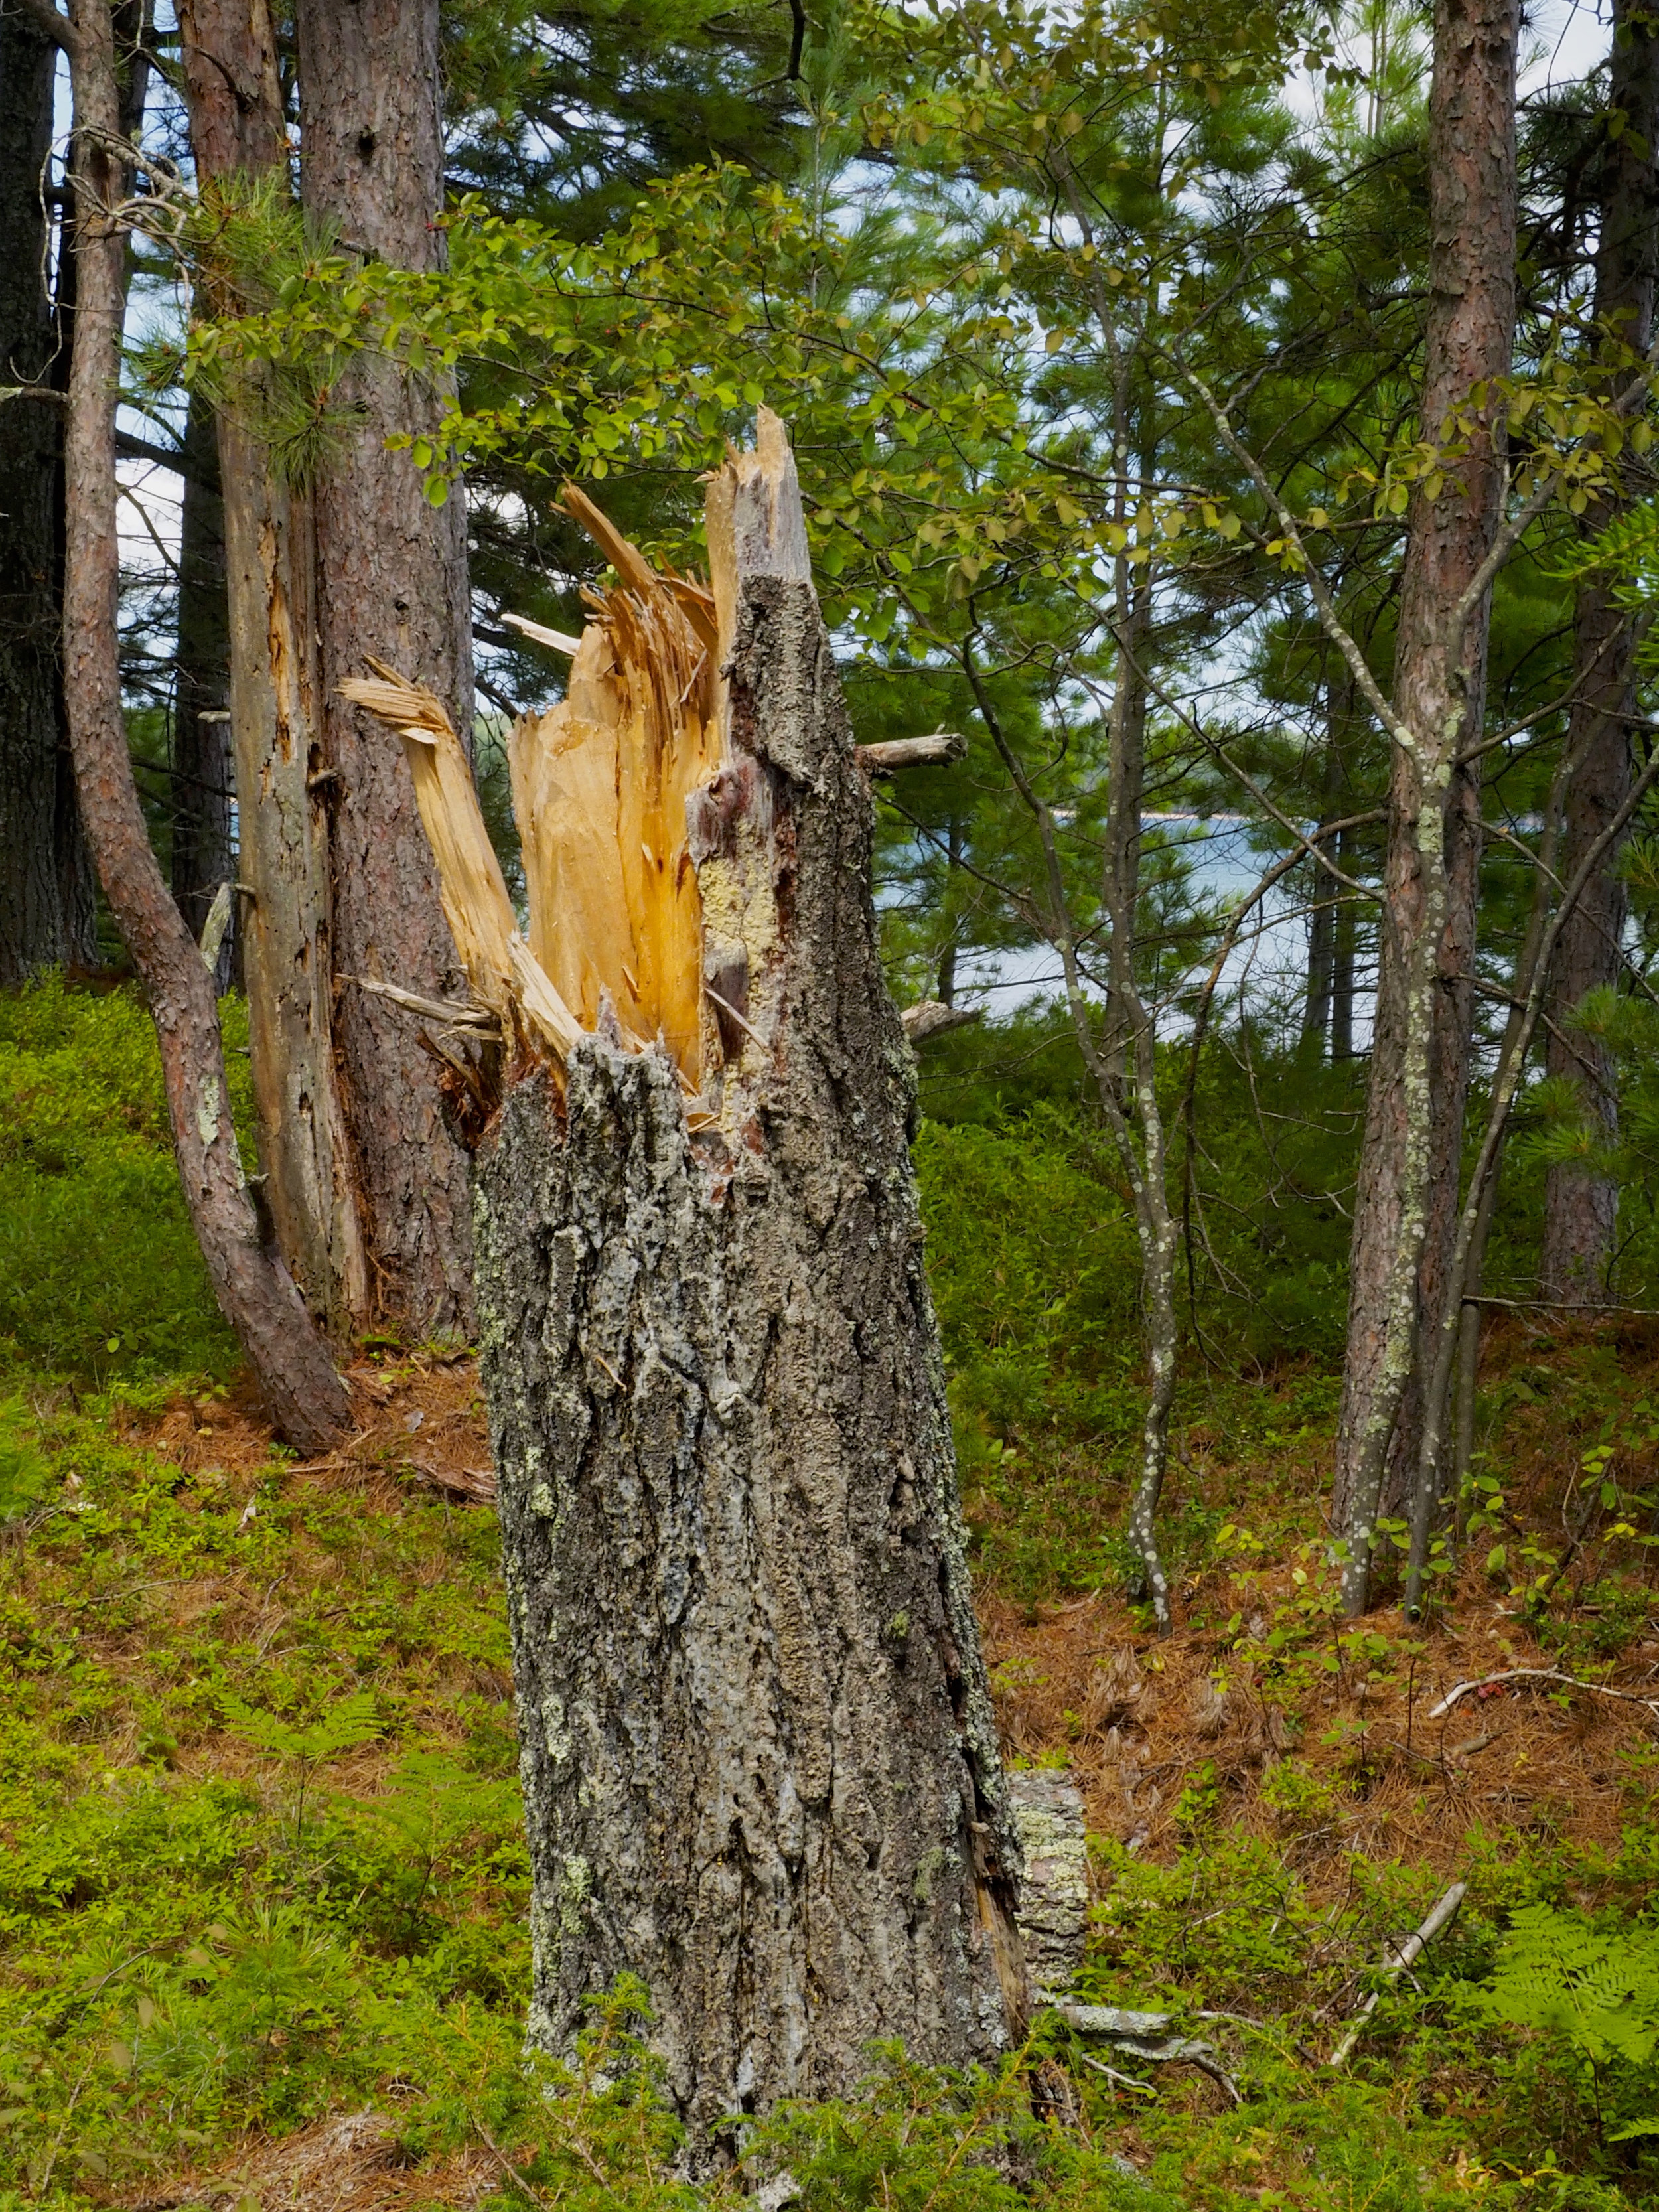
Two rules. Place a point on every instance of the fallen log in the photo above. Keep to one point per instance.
(1152, 2035)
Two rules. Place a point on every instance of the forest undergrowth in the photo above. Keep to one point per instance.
(263, 1887)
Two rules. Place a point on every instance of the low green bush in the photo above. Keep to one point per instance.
(1035, 1271)
(1590, 1992)
(100, 1274)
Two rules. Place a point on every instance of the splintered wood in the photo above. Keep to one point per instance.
(599, 787)
(649, 872)
(469, 880)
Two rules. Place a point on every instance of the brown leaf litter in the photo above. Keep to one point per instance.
(1135, 1717)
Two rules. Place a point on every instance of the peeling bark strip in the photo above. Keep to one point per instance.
(235, 97)
(760, 1766)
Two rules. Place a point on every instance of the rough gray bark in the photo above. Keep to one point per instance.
(203, 778)
(392, 583)
(1406, 1209)
(1581, 1210)
(304, 1396)
(760, 1764)
(47, 909)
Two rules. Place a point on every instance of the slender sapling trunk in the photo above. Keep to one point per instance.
(304, 1395)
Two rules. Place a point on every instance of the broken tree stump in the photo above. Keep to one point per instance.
(760, 1766)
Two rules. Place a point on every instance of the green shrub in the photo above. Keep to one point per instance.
(1035, 1271)
(100, 1273)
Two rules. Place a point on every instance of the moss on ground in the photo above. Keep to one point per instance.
(260, 1862)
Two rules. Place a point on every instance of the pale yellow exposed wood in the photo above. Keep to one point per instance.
(470, 884)
(545, 1010)
(633, 569)
(600, 785)
(557, 638)
(563, 769)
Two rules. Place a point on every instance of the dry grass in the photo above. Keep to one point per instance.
(1136, 1717)
(420, 1426)
(349, 2163)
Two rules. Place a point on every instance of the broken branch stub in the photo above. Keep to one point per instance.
(760, 1763)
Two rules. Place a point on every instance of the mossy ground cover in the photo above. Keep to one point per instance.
(261, 1871)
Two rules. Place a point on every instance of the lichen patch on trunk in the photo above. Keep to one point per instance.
(759, 1758)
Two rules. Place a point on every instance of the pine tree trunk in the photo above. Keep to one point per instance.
(1322, 964)
(1405, 1205)
(1345, 949)
(304, 1395)
(393, 582)
(47, 910)
(238, 135)
(203, 778)
(1581, 1210)
(760, 1766)
(1322, 924)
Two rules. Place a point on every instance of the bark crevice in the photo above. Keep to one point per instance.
(759, 1759)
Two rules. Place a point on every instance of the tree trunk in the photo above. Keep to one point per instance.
(1580, 1209)
(1344, 952)
(1321, 970)
(1448, 1404)
(1322, 924)
(304, 1396)
(47, 909)
(393, 582)
(1405, 1205)
(238, 135)
(761, 1770)
(1131, 1044)
(203, 787)
(946, 984)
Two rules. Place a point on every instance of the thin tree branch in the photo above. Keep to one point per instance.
(1334, 628)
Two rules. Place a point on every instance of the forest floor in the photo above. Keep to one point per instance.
(262, 1883)
(264, 1723)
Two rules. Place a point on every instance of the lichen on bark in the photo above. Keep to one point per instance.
(760, 1763)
